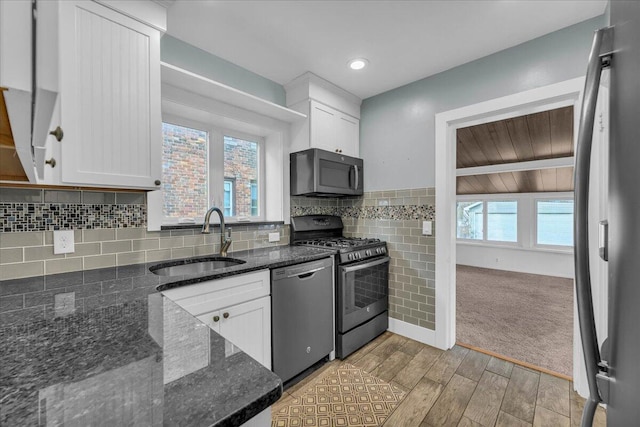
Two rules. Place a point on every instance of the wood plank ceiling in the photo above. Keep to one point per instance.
(539, 136)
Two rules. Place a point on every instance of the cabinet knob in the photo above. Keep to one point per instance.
(216, 318)
(338, 150)
(51, 162)
(157, 182)
(225, 315)
(58, 133)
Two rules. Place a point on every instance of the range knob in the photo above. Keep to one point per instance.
(350, 257)
(367, 252)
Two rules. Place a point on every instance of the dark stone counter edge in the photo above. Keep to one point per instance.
(251, 410)
(198, 226)
(231, 271)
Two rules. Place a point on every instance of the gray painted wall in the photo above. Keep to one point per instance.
(189, 57)
(397, 128)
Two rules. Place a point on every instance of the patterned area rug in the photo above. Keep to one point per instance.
(343, 396)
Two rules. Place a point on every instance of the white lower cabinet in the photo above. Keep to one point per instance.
(236, 307)
(247, 326)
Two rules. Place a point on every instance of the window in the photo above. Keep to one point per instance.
(554, 222)
(241, 168)
(229, 196)
(204, 167)
(254, 197)
(470, 220)
(532, 221)
(502, 221)
(184, 171)
(498, 218)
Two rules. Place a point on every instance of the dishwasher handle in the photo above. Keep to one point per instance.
(306, 274)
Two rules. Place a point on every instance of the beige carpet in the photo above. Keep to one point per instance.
(527, 317)
(342, 396)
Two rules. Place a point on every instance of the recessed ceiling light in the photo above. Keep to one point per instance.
(358, 63)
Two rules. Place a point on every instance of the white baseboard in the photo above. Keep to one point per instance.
(409, 330)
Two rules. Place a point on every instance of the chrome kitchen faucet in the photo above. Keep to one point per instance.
(225, 241)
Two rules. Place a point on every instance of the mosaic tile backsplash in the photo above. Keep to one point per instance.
(42, 210)
(396, 217)
(109, 230)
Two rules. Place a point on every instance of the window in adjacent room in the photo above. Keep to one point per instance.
(502, 221)
(470, 220)
(554, 222)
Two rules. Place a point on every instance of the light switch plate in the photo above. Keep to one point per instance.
(427, 228)
(63, 242)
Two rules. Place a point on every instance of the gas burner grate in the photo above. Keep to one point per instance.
(339, 242)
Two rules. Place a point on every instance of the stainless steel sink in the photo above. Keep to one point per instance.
(194, 266)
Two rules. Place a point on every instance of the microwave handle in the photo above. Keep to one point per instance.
(357, 172)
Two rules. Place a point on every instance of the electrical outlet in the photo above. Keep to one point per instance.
(274, 237)
(63, 242)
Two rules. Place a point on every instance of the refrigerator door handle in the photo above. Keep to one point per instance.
(599, 58)
(603, 238)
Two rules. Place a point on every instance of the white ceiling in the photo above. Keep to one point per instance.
(404, 41)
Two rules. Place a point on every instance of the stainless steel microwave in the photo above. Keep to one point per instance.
(321, 173)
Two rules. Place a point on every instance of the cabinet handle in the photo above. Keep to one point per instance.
(338, 150)
(225, 315)
(157, 182)
(58, 133)
(216, 318)
(51, 162)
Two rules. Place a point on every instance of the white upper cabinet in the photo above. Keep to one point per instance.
(332, 130)
(333, 122)
(110, 98)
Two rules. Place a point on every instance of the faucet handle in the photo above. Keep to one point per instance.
(228, 231)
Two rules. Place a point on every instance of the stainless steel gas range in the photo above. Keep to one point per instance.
(362, 279)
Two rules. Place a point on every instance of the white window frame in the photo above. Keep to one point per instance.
(215, 192)
(261, 174)
(527, 220)
(484, 199)
(534, 237)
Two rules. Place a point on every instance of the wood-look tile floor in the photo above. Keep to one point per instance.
(461, 387)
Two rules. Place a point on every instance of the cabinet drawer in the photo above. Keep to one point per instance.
(207, 296)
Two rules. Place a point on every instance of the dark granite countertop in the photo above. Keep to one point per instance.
(104, 347)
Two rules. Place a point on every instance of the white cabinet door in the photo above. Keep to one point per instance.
(248, 326)
(323, 127)
(333, 130)
(348, 135)
(110, 98)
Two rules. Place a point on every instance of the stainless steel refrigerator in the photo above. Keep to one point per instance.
(613, 367)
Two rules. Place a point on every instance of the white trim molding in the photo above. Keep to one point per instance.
(559, 162)
(415, 332)
(532, 101)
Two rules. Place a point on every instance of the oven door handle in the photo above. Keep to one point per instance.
(366, 265)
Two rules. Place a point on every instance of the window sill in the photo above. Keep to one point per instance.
(567, 251)
(227, 224)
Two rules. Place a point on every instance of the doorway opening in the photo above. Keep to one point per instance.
(546, 98)
(514, 238)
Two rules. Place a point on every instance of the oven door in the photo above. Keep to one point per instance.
(363, 292)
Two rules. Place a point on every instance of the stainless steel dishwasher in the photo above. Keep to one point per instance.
(302, 319)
